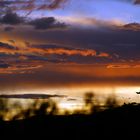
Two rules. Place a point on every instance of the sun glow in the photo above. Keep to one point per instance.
(70, 106)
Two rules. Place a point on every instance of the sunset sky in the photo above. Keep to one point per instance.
(69, 43)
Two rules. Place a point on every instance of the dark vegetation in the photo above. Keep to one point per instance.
(42, 120)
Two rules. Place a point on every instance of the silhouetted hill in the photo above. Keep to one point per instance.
(120, 122)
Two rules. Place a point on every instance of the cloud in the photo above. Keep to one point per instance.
(46, 23)
(116, 40)
(7, 49)
(53, 5)
(58, 50)
(30, 5)
(45, 50)
(71, 99)
(131, 1)
(106, 44)
(131, 26)
(4, 65)
(18, 68)
(6, 46)
(137, 2)
(91, 21)
(123, 66)
(28, 59)
(32, 96)
(11, 18)
(119, 66)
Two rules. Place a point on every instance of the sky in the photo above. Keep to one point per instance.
(59, 43)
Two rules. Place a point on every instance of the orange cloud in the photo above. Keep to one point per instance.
(103, 54)
(62, 51)
(25, 68)
(123, 66)
(118, 66)
(49, 51)
(69, 52)
(131, 26)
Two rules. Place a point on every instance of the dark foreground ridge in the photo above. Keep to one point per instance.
(112, 123)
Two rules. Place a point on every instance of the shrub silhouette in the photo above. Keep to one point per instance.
(92, 104)
(46, 107)
(88, 98)
(38, 108)
(43, 107)
(3, 108)
(111, 102)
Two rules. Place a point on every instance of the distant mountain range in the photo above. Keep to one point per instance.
(32, 96)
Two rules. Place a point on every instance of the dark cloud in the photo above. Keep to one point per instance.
(137, 2)
(46, 23)
(131, 1)
(32, 96)
(132, 26)
(7, 46)
(14, 19)
(4, 65)
(11, 18)
(18, 68)
(120, 41)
